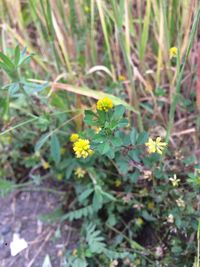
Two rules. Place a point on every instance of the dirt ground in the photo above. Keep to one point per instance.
(19, 213)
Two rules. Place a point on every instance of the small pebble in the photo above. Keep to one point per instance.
(4, 230)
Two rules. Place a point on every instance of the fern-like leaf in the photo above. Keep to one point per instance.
(111, 254)
(78, 214)
(94, 239)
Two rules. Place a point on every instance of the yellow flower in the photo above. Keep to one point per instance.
(150, 205)
(118, 182)
(121, 78)
(104, 104)
(6, 139)
(74, 252)
(143, 192)
(82, 148)
(137, 262)
(175, 182)
(155, 146)
(97, 130)
(86, 9)
(45, 164)
(173, 52)
(139, 221)
(74, 137)
(37, 154)
(79, 172)
(60, 177)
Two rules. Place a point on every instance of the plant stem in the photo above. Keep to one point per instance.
(180, 69)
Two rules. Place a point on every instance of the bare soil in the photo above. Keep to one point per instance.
(19, 213)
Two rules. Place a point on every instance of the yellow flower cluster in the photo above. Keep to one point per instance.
(104, 104)
(80, 172)
(74, 137)
(155, 146)
(173, 52)
(82, 148)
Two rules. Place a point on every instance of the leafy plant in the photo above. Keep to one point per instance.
(132, 171)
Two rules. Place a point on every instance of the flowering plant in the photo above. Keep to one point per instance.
(119, 178)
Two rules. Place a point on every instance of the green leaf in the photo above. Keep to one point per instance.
(43, 139)
(142, 138)
(103, 148)
(58, 100)
(118, 112)
(102, 116)
(4, 67)
(51, 217)
(55, 148)
(24, 57)
(189, 160)
(134, 176)
(94, 239)
(137, 246)
(7, 61)
(96, 95)
(134, 155)
(110, 154)
(85, 194)
(4, 107)
(133, 136)
(125, 139)
(90, 112)
(6, 187)
(77, 214)
(112, 254)
(123, 166)
(17, 55)
(108, 196)
(90, 118)
(145, 30)
(79, 263)
(122, 123)
(69, 170)
(98, 138)
(13, 89)
(112, 220)
(113, 125)
(97, 201)
(116, 141)
(148, 216)
(32, 88)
